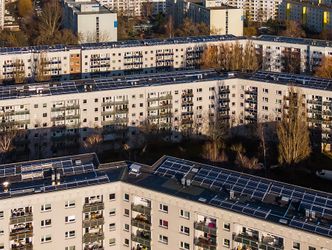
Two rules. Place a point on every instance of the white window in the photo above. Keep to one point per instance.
(185, 230)
(226, 242)
(70, 219)
(46, 207)
(70, 234)
(46, 223)
(111, 242)
(112, 212)
(163, 208)
(163, 223)
(69, 204)
(163, 239)
(184, 245)
(184, 214)
(227, 226)
(46, 238)
(112, 226)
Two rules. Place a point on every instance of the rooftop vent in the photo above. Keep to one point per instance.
(232, 194)
(283, 221)
(78, 162)
(5, 186)
(135, 169)
(194, 170)
(201, 199)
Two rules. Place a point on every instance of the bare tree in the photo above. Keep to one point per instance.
(41, 68)
(170, 26)
(210, 57)
(325, 69)
(293, 29)
(93, 141)
(242, 160)
(18, 71)
(8, 134)
(250, 58)
(293, 132)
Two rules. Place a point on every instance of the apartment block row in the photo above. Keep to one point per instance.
(75, 202)
(56, 115)
(118, 58)
(315, 15)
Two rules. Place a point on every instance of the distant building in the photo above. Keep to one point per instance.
(2, 13)
(315, 15)
(91, 21)
(220, 18)
(135, 7)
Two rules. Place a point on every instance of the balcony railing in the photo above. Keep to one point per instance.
(94, 248)
(115, 122)
(63, 108)
(207, 244)
(267, 246)
(141, 224)
(92, 207)
(162, 106)
(145, 241)
(21, 219)
(26, 246)
(246, 239)
(66, 117)
(141, 209)
(21, 234)
(201, 226)
(93, 237)
(111, 103)
(160, 98)
(93, 222)
(116, 111)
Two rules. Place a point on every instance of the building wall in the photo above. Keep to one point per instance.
(197, 211)
(226, 21)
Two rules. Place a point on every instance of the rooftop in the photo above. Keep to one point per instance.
(156, 79)
(154, 42)
(264, 199)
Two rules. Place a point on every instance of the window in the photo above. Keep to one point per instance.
(70, 234)
(112, 227)
(85, 101)
(96, 100)
(312, 248)
(184, 214)
(227, 226)
(226, 242)
(2, 246)
(185, 230)
(163, 239)
(46, 207)
(46, 238)
(126, 227)
(163, 208)
(46, 223)
(296, 245)
(112, 197)
(70, 248)
(163, 223)
(126, 197)
(184, 245)
(69, 204)
(126, 242)
(112, 212)
(1, 214)
(111, 242)
(126, 212)
(70, 219)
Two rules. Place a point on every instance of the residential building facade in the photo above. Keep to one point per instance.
(315, 15)
(90, 21)
(57, 117)
(75, 202)
(62, 62)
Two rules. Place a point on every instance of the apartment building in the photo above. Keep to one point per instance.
(256, 10)
(135, 7)
(91, 21)
(2, 14)
(221, 19)
(315, 15)
(62, 62)
(58, 116)
(74, 202)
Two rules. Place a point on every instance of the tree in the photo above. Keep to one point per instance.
(291, 59)
(170, 26)
(147, 9)
(93, 141)
(189, 28)
(325, 69)
(251, 61)
(18, 71)
(250, 31)
(41, 68)
(293, 133)
(293, 29)
(8, 134)
(210, 57)
(24, 8)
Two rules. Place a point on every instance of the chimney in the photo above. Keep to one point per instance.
(307, 213)
(58, 178)
(5, 186)
(183, 181)
(53, 177)
(188, 182)
(232, 194)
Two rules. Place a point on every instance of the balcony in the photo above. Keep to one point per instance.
(246, 239)
(162, 106)
(93, 222)
(206, 243)
(115, 122)
(27, 217)
(160, 98)
(93, 237)
(16, 112)
(26, 246)
(21, 233)
(188, 94)
(92, 207)
(142, 239)
(141, 209)
(201, 226)
(187, 121)
(270, 246)
(66, 117)
(63, 108)
(112, 103)
(116, 111)
(94, 248)
(160, 115)
(141, 223)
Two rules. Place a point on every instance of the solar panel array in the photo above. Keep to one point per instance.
(251, 195)
(100, 84)
(283, 39)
